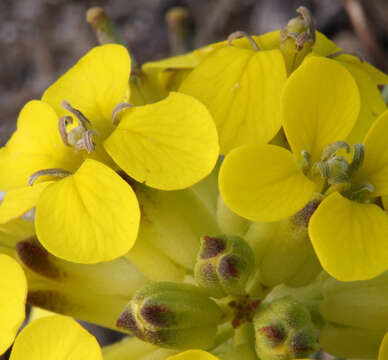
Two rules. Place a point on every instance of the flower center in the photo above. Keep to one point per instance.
(338, 172)
(80, 136)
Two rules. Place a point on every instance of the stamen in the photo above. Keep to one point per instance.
(119, 108)
(62, 123)
(323, 168)
(86, 142)
(307, 17)
(338, 168)
(240, 34)
(358, 158)
(78, 114)
(361, 193)
(333, 148)
(343, 52)
(53, 172)
(305, 163)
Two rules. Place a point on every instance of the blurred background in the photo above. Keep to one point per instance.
(41, 39)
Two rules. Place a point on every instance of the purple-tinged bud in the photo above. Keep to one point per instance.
(172, 315)
(223, 266)
(284, 330)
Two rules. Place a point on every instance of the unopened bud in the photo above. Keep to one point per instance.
(223, 266)
(172, 315)
(297, 39)
(284, 330)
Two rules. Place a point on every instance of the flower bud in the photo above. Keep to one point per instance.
(223, 266)
(284, 330)
(172, 315)
(297, 39)
(283, 250)
(356, 314)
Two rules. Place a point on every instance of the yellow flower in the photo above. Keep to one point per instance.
(13, 290)
(55, 338)
(245, 89)
(320, 105)
(92, 214)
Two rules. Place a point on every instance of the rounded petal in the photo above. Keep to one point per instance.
(88, 217)
(193, 355)
(320, 105)
(19, 201)
(383, 352)
(264, 183)
(168, 145)
(241, 88)
(55, 338)
(35, 145)
(13, 293)
(350, 238)
(375, 166)
(95, 85)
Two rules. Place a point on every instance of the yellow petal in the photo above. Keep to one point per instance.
(383, 352)
(19, 201)
(186, 61)
(320, 105)
(35, 145)
(193, 355)
(15, 231)
(350, 238)
(372, 102)
(241, 88)
(13, 293)
(95, 85)
(88, 217)
(375, 166)
(55, 338)
(324, 46)
(377, 77)
(263, 183)
(168, 145)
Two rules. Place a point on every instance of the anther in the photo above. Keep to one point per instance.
(241, 34)
(305, 163)
(307, 17)
(86, 142)
(333, 148)
(78, 114)
(358, 158)
(118, 109)
(62, 123)
(53, 172)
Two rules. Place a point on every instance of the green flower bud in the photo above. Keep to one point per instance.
(284, 330)
(172, 315)
(223, 266)
(297, 39)
(283, 250)
(356, 314)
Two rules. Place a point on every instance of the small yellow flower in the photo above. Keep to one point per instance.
(92, 214)
(320, 105)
